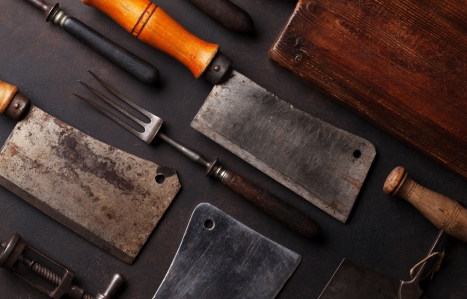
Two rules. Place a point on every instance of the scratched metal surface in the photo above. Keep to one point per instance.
(220, 257)
(382, 233)
(104, 194)
(324, 164)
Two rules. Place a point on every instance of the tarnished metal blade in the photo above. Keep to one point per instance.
(325, 165)
(228, 260)
(352, 281)
(104, 194)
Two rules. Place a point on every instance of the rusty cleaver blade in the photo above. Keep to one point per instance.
(104, 194)
(220, 257)
(325, 165)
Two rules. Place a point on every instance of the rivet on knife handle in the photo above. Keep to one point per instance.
(13, 103)
(121, 57)
(445, 213)
(150, 24)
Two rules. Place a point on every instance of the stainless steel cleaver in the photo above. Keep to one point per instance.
(323, 164)
(221, 258)
(104, 194)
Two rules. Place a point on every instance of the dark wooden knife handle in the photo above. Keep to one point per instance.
(445, 213)
(227, 14)
(150, 24)
(124, 59)
(272, 205)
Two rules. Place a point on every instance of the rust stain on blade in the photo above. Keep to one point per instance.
(104, 194)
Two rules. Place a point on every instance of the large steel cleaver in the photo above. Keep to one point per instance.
(221, 258)
(107, 196)
(323, 164)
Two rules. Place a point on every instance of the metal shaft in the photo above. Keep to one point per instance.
(194, 156)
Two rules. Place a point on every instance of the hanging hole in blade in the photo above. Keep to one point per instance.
(357, 154)
(209, 224)
(160, 179)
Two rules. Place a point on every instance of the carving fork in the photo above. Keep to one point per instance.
(262, 199)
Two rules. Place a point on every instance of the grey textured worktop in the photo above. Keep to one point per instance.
(383, 233)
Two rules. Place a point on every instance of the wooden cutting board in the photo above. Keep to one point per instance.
(400, 63)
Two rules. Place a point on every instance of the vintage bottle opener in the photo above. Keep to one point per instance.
(104, 194)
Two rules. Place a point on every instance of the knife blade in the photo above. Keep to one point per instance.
(331, 164)
(108, 196)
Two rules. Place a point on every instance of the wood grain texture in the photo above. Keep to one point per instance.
(150, 24)
(7, 93)
(401, 64)
(443, 212)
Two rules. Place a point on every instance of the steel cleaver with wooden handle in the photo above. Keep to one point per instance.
(108, 196)
(325, 165)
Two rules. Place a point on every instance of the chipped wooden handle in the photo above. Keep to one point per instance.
(272, 205)
(13, 103)
(150, 24)
(445, 213)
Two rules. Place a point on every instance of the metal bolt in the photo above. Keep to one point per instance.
(217, 68)
(16, 106)
(112, 288)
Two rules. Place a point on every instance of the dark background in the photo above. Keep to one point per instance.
(383, 233)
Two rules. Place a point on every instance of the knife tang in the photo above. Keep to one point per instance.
(152, 25)
(272, 205)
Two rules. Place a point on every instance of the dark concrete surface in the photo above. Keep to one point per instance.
(383, 233)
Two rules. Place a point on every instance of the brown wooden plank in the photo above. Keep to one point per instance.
(402, 64)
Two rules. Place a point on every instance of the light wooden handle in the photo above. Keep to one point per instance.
(443, 212)
(7, 93)
(150, 24)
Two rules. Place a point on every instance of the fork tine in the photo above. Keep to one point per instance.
(110, 115)
(151, 128)
(108, 101)
(120, 96)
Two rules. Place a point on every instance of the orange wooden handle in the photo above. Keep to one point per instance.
(443, 212)
(150, 24)
(7, 93)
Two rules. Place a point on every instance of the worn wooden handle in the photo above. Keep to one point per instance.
(443, 212)
(228, 14)
(150, 24)
(272, 205)
(7, 93)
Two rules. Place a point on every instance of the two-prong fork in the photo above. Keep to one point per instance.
(269, 203)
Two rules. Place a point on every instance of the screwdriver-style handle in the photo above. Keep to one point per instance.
(150, 24)
(124, 59)
(121, 57)
(445, 213)
(226, 13)
(272, 205)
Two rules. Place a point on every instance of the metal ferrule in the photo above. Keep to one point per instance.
(219, 172)
(59, 17)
